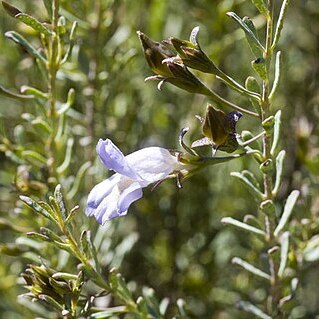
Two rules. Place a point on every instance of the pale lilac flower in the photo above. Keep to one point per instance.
(112, 197)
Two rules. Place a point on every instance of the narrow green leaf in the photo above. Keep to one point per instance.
(268, 208)
(55, 239)
(11, 250)
(68, 156)
(142, 306)
(250, 268)
(117, 283)
(51, 302)
(242, 226)
(56, 209)
(65, 106)
(88, 247)
(252, 84)
(248, 183)
(277, 76)
(11, 10)
(34, 157)
(181, 305)
(5, 224)
(311, 251)
(5, 92)
(253, 41)
(279, 170)
(255, 49)
(51, 235)
(47, 207)
(250, 308)
(38, 237)
(71, 44)
(72, 214)
(64, 276)
(60, 287)
(109, 312)
(25, 89)
(48, 6)
(113, 279)
(276, 132)
(42, 128)
(92, 249)
(33, 23)
(290, 203)
(36, 207)
(262, 7)
(60, 200)
(280, 22)
(18, 38)
(163, 306)
(78, 179)
(61, 25)
(284, 241)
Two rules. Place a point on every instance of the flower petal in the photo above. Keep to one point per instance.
(153, 164)
(100, 192)
(114, 159)
(129, 196)
(112, 197)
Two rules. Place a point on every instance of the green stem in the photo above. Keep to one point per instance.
(236, 86)
(94, 273)
(52, 68)
(275, 283)
(223, 102)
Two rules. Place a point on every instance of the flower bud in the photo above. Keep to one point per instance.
(184, 79)
(155, 53)
(219, 129)
(192, 55)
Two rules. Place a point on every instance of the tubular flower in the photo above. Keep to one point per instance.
(112, 197)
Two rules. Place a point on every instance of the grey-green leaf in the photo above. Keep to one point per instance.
(33, 23)
(277, 76)
(18, 38)
(279, 169)
(71, 44)
(290, 203)
(48, 6)
(60, 200)
(250, 268)
(36, 207)
(78, 179)
(253, 40)
(256, 50)
(247, 181)
(280, 22)
(33, 92)
(250, 308)
(34, 158)
(261, 6)
(8, 93)
(242, 226)
(70, 100)
(109, 313)
(276, 132)
(68, 156)
(284, 241)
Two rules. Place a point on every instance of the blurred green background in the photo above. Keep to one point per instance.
(172, 240)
